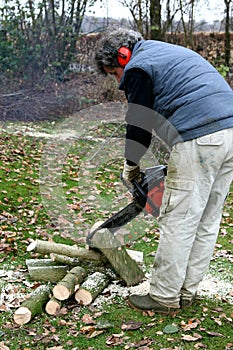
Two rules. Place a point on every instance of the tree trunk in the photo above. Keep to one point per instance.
(91, 288)
(155, 19)
(118, 257)
(32, 306)
(191, 24)
(45, 247)
(183, 23)
(227, 34)
(67, 286)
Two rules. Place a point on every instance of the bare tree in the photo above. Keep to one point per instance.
(187, 10)
(227, 32)
(139, 10)
(155, 19)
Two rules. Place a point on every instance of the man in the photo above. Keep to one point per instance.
(178, 94)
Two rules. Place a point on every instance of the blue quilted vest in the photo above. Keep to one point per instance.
(189, 93)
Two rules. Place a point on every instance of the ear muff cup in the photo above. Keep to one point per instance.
(124, 55)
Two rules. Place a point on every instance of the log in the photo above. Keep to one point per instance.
(32, 306)
(53, 306)
(66, 260)
(67, 286)
(48, 274)
(118, 257)
(89, 266)
(45, 247)
(91, 288)
(46, 270)
(42, 262)
(63, 259)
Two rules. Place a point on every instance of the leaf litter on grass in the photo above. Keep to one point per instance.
(28, 212)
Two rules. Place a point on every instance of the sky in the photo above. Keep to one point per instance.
(208, 10)
(110, 8)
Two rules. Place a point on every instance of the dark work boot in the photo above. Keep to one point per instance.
(185, 303)
(146, 303)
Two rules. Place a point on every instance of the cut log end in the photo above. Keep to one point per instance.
(61, 292)
(83, 297)
(22, 316)
(33, 305)
(32, 246)
(52, 307)
(96, 225)
(91, 288)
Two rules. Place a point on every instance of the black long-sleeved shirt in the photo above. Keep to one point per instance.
(138, 89)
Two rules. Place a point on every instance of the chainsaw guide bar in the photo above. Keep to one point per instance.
(146, 195)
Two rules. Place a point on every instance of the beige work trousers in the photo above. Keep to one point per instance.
(200, 172)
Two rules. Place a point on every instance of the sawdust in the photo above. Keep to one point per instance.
(212, 287)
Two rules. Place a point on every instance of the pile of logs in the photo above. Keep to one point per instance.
(71, 271)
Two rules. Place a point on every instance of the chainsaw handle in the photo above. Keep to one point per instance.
(138, 187)
(134, 182)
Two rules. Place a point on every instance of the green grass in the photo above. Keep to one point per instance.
(91, 198)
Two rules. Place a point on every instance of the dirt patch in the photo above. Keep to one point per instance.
(55, 100)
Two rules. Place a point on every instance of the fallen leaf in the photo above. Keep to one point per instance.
(62, 311)
(192, 323)
(131, 325)
(200, 346)
(214, 334)
(3, 346)
(87, 319)
(217, 320)
(94, 334)
(148, 313)
(144, 343)
(87, 329)
(159, 333)
(114, 339)
(190, 337)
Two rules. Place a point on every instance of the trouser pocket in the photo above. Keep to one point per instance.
(215, 139)
(177, 197)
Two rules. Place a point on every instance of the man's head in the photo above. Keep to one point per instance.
(114, 49)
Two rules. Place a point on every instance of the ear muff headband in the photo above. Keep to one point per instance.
(123, 56)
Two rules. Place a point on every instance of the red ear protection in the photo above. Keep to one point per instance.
(124, 55)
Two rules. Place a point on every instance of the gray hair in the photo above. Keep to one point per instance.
(107, 51)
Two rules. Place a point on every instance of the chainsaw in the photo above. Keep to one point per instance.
(147, 195)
